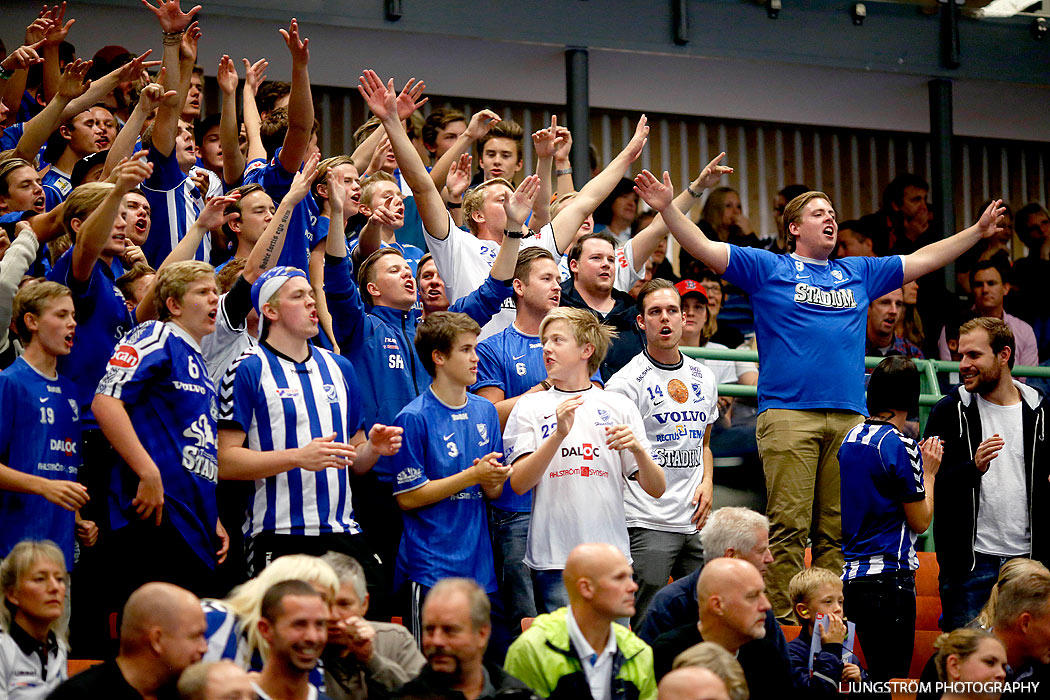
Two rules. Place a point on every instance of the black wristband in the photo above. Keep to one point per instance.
(513, 234)
(453, 205)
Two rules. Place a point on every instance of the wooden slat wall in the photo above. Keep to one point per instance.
(852, 166)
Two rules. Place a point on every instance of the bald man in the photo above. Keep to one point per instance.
(161, 634)
(215, 680)
(733, 606)
(580, 652)
(692, 683)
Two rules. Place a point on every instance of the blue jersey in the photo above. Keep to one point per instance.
(810, 324)
(277, 181)
(56, 186)
(450, 537)
(379, 340)
(39, 435)
(410, 253)
(881, 470)
(176, 204)
(281, 404)
(160, 375)
(102, 319)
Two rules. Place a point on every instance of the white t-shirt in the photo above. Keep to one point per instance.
(464, 261)
(1004, 492)
(677, 403)
(624, 276)
(580, 496)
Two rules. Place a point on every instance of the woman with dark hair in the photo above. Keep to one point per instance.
(616, 213)
(33, 647)
(969, 660)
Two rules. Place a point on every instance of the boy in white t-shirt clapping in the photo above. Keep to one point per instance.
(577, 444)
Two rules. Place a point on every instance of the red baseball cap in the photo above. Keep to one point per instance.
(690, 287)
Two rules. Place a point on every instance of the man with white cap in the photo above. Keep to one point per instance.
(290, 420)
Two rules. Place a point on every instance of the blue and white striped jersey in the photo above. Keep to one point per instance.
(282, 404)
(881, 470)
(176, 204)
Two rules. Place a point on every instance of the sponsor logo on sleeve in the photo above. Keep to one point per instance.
(125, 356)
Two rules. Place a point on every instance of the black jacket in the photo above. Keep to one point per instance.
(957, 421)
(430, 684)
(630, 339)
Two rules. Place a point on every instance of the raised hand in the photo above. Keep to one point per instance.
(23, 57)
(213, 216)
(298, 47)
(72, 85)
(324, 453)
(188, 46)
(835, 632)
(226, 76)
(712, 173)
(991, 218)
(407, 99)
(304, 178)
(254, 74)
(637, 142)
(382, 216)
(458, 179)
(201, 181)
(336, 193)
(58, 31)
(131, 172)
(151, 96)
(132, 254)
(379, 156)
(988, 450)
(480, 123)
(37, 31)
(566, 413)
(564, 147)
(170, 15)
(134, 69)
(66, 494)
(546, 141)
(385, 439)
(519, 204)
(932, 453)
(656, 194)
(380, 98)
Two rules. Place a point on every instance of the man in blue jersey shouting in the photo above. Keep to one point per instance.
(810, 316)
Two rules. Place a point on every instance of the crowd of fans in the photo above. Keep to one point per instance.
(283, 424)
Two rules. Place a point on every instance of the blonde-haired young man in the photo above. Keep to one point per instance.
(577, 445)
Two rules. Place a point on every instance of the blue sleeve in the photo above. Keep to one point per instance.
(484, 302)
(272, 176)
(903, 462)
(166, 175)
(749, 267)
(10, 136)
(406, 470)
(882, 275)
(349, 315)
(353, 390)
(138, 360)
(490, 369)
(9, 400)
(52, 197)
(827, 668)
(318, 233)
(240, 390)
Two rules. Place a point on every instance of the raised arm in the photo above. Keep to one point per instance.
(529, 469)
(545, 142)
(300, 101)
(39, 128)
(383, 103)
(98, 89)
(456, 185)
(659, 196)
(643, 245)
(254, 75)
(174, 24)
(267, 250)
(96, 230)
(55, 37)
(938, 254)
(150, 98)
(569, 219)
(517, 207)
(562, 164)
(232, 158)
(19, 61)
